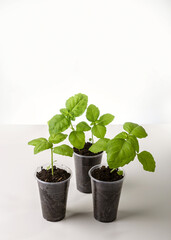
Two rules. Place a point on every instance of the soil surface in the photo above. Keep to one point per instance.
(59, 175)
(105, 174)
(85, 151)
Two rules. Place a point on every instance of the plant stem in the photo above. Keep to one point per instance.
(72, 127)
(52, 160)
(112, 170)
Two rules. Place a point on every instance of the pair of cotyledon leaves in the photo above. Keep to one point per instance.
(124, 147)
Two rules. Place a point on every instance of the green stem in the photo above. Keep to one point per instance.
(72, 127)
(52, 160)
(112, 170)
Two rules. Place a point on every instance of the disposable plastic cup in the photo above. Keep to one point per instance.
(82, 166)
(53, 196)
(106, 196)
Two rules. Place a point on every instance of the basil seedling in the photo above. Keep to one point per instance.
(41, 144)
(75, 107)
(124, 147)
(97, 126)
(98, 123)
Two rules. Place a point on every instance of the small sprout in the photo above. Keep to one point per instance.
(48, 167)
(120, 173)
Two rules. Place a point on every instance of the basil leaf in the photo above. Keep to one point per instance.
(58, 124)
(92, 113)
(122, 135)
(147, 160)
(57, 138)
(119, 152)
(83, 126)
(106, 119)
(77, 104)
(40, 144)
(67, 114)
(99, 146)
(134, 142)
(99, 131)
(77, 139)
(63, 150)
(36, 141)
(135, 129)
(64, 111)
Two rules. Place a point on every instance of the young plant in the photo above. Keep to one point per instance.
(41, 144)
(74, 107)
(97, 126)
(124, 147)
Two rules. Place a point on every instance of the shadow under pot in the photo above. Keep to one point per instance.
(53, 195)
(82, 166)
(106, 196)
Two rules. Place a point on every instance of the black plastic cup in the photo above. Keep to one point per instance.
(53, 197)
(82, 166)
(106, 197)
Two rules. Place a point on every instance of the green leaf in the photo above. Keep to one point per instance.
(57, 138)
(99, 146)
(134, 142)
(64, 111)
(83, 126)
(92, 113)
(77, 139)
(58, 124)
(119, 152)
(135, 129)
(63, 150)
(40, 144)
(77, 104)
(99, 131)
(147, 160)
(120, 172)
(67, 114)
(36, 141)
(122, 135)
(48, 167)
(106, 119)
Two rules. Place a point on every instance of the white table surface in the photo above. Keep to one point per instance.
(145, 204)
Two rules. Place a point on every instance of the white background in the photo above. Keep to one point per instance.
(116, 52)
(119, 54)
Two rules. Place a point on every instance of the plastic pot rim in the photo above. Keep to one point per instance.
(61, 166)
(83, 156)
(105, 182)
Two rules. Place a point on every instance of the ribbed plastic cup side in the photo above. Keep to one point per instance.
(82, 166)
(106, 196)
(53, 197)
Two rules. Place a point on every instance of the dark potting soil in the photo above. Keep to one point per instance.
(59, 175)
(105, 174)
(85, 151)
